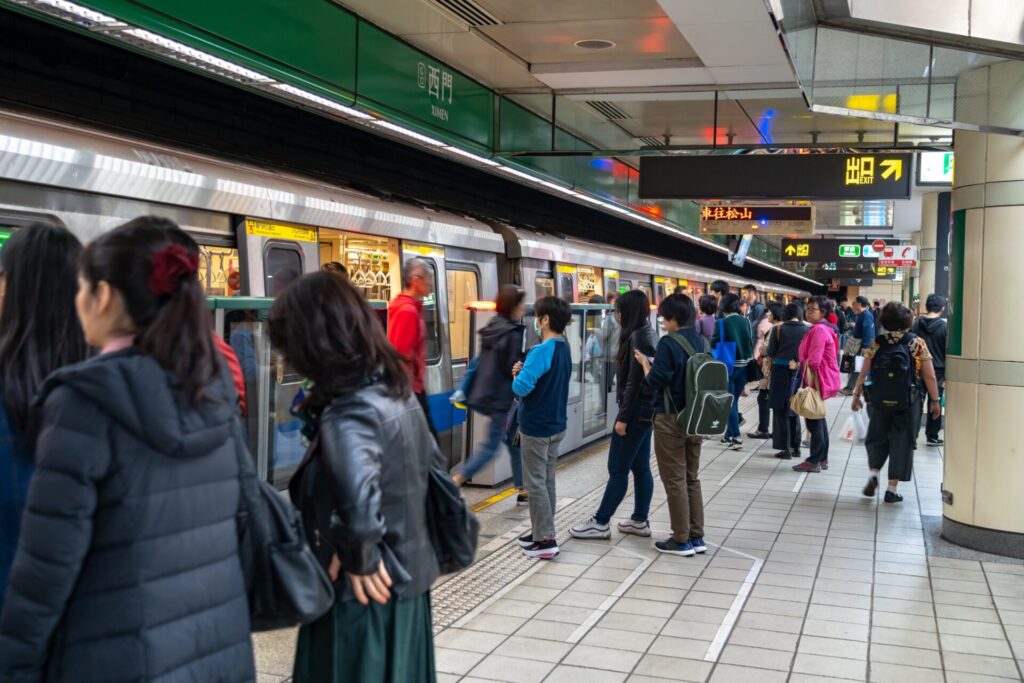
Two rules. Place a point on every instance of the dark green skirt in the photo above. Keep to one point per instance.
(390, 643)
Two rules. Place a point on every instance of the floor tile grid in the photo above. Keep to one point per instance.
(1015, 649)
(931, 586)
(848, 447)
(709, 559)
(593, 498)
(465, 591)
(780, 464)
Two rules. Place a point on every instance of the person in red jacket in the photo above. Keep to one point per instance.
(234, 367)
(407, 331)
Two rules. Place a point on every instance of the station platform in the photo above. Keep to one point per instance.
(804, 580)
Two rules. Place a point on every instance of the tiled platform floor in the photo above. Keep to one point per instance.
(808, 581)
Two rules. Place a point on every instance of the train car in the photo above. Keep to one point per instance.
(259, 229)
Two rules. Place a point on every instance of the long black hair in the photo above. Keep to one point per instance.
(39, 331)
(152, 264)
(329, 334)
(634, 313)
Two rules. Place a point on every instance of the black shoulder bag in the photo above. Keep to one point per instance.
(285, 583)
(453, 527)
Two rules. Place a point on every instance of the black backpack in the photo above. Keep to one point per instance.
(893, 374)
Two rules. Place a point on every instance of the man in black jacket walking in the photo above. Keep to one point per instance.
(932, 328)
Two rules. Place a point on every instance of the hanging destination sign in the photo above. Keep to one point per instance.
(776, 176)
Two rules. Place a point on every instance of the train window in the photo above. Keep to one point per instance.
(219, 269)
(430, 316)
(543, 285)
(463, 287)
(281, 267)
(367, 259)
(566, 287)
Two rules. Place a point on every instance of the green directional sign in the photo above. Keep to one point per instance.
(849, 251)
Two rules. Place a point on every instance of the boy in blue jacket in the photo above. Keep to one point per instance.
(542, 384)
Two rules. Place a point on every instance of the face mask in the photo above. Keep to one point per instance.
(536, 327)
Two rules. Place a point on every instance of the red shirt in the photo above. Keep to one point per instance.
(833, 318)
(407, 332)
(236, 369)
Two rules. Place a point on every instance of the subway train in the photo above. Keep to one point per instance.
(260, 228)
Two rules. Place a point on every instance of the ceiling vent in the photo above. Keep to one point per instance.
(608, 110)
(469, 12)
(648, 141)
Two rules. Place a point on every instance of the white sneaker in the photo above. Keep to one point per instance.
(634, 527)
(590, 529)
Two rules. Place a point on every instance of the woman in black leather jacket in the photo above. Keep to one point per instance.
(630, 448)
(361, 488)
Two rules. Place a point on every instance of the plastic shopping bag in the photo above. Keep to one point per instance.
(860, 425)
(858, 364)
(848, 433)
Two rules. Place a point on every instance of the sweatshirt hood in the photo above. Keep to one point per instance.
(932, 325)
(144, 399)
(497, 328)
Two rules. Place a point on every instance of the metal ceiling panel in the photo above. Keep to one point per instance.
(538, 11)
(637, 40)
(405, 17)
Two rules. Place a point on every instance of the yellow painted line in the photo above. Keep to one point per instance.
(498, 497)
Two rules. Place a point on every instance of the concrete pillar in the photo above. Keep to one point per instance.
(912, 276)
(984, 460)
(926, 246)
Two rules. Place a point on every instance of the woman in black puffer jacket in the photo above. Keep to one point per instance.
(127, 568)
(630, 448)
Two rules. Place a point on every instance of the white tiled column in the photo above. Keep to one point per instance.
(984, 463)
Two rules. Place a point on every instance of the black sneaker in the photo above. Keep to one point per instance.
(735, 444)
(758, 435)
(522, 499)
(891, 497)
(871, 487)
(784, 455)
(726, 441)
(672, 548)
(526, 541)
(542, 550)
(935, 442)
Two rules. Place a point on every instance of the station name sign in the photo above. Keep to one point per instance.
(829, 251)
(777, 176)
(756, 220)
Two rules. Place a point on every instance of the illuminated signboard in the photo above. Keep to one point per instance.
(842, 252)
(935, 168)
(875, 272)
(757, 220)
(776, 176)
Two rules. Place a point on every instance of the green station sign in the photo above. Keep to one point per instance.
(406, 82)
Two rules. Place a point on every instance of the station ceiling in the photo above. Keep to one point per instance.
(673, 73)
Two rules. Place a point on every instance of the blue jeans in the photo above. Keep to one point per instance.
(737, 381)
(489, 449)
(629, 453)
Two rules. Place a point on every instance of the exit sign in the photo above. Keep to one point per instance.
(849, 251)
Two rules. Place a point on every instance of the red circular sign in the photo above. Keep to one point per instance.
(878, 245)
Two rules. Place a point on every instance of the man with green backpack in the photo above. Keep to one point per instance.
(694, 402)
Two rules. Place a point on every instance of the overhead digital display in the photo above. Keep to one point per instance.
(839, 251)
(935, 168)
(757, 220)
(776, 176)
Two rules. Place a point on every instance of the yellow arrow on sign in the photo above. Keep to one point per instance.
(892, 166)
(790, 250)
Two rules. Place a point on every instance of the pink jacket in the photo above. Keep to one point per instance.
(819, 349)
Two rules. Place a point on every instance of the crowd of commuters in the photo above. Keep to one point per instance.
(101, 446)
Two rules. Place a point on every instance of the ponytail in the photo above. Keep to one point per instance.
(153, 265)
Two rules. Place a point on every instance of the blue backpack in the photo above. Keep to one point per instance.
(724, 351)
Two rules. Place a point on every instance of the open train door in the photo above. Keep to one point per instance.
(275, 254)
